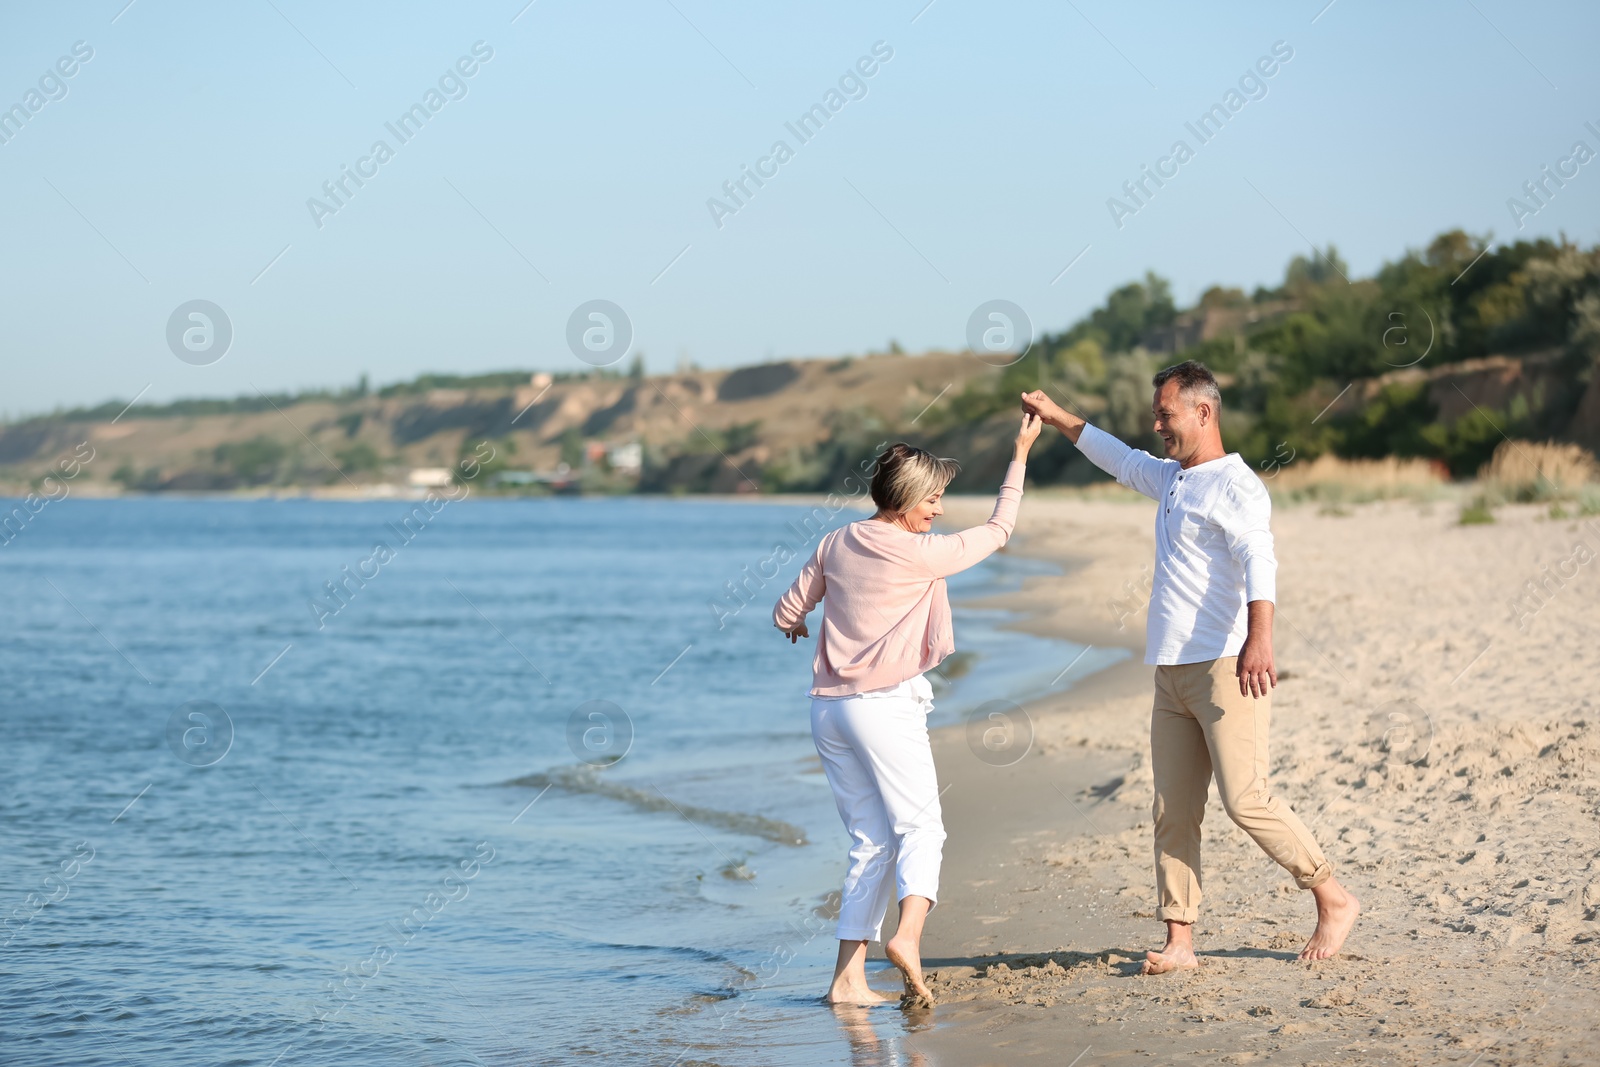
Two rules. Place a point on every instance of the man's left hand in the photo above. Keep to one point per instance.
(1257, 675)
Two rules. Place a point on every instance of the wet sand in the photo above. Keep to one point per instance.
(1439, 741)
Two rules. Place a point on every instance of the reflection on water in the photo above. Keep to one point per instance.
(880, 1036)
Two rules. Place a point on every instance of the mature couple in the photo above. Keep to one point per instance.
(886, 620)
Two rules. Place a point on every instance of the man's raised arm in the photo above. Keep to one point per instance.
(1134, 468)
(1053, 415)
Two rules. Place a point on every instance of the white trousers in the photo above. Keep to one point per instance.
(875, 752)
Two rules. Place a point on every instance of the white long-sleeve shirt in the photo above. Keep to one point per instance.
(1213, 547)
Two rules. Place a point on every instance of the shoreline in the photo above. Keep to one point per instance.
(1477, 861)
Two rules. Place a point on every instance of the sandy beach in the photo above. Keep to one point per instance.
(1439, 741)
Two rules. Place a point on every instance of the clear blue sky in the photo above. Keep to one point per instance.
(179, 163)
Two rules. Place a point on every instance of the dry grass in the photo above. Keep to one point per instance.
(1330, 478)
(1533, 470)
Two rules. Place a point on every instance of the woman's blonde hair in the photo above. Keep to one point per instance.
(907, 475)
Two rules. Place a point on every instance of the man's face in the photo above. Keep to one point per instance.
(1178, 421)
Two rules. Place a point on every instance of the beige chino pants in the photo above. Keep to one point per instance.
(1199, 727)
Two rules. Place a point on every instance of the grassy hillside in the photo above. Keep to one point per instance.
(1441, 356)
(768, 427)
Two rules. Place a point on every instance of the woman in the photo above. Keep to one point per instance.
(886, 621)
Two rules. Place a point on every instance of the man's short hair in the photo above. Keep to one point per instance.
(1195, 382)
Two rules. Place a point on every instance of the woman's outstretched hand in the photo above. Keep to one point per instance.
(797, 631)
(1028, 434)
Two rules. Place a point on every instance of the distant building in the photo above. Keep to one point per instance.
(429, 477)
(628, 458)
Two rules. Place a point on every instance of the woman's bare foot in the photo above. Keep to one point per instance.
(904, 950)
(858, 993)
(850, 977)
(1337, 909)
(906, 955)
(910, 1001)
(1176, 955)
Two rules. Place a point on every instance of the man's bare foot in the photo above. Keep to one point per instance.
(908, 958)
(1337, 909)
(1171, 958)
(852, 993)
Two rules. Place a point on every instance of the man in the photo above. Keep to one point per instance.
(1210, 637)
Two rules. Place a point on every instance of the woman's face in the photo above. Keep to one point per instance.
(919, 519)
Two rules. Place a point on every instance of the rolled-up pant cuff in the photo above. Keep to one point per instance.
(1177, 915)
(857, 934)
(1323, 872)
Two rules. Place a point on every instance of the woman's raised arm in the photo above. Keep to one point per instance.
(948, 554)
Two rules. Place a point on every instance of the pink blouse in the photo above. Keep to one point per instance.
(887, 617)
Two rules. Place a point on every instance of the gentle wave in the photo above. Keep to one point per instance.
(589, 780)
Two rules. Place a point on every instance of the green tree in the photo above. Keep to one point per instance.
(358, 457)
(572, 448)
(254, 462)
(1082, 365)
(1128, 395)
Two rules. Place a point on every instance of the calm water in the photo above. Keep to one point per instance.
(411, 848)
